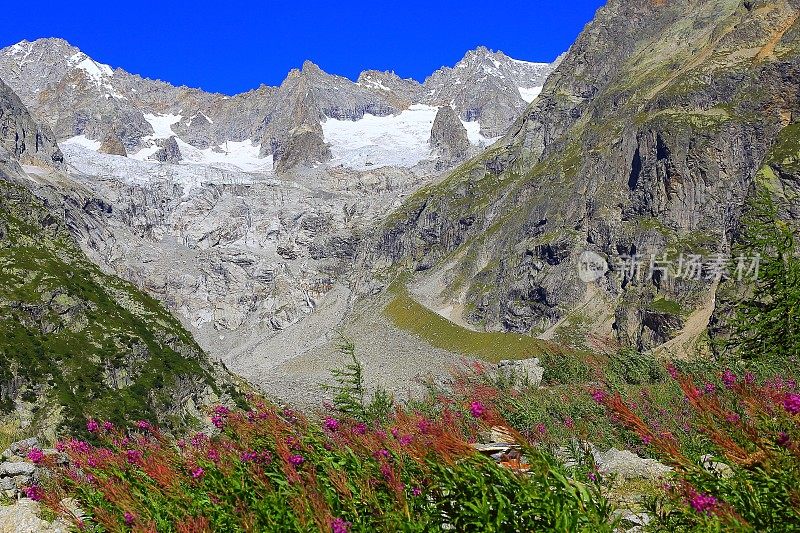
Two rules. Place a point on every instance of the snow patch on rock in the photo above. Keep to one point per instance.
(395, 140)
(529, 94)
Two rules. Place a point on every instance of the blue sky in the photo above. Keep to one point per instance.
(232, 46)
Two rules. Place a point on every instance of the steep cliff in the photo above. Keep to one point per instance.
(20, 137)
(645, 140)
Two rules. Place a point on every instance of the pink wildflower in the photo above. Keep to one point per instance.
(673, 372)
(35, 455)
(222, 410)
(360, 428)
(709, 388)
(92, 426)
(477, 409)
(144, 425)
(34, 492)
(133, 456)
(791, 402)
(424, 425)
(702, 503)
(129, 519)
(599, 395)
(108, 426)
(382, 453)
(296, 460)
(728, 379)
(197, 473)
(405, 440)
(338, 525)
(331, 424)
(218, 421)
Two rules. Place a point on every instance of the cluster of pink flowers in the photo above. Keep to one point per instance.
(599, 395)
(35, 455)
(702, 503)
(197, 472)
(331, 424)
(133, 456)
(791, 402)
(339, 525)
(477, 409)
(381, 453)
(296, 459)
(728, 379)
(34, 492)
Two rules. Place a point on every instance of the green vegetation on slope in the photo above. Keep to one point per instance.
(73, 337)
(408, 314)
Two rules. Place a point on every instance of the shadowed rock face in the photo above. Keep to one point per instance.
(647, 137)
(169, 152)
(20, 136)
(449, 137)
(304, 147)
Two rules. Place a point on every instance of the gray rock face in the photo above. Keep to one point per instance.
(22, 138)
(112, 145)
(485, 86)
(169, 151)
(304, 147)
(449, 137)
(17, 469)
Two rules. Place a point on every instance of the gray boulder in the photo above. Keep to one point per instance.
(627, 465)
(522, 371)
(304, 148)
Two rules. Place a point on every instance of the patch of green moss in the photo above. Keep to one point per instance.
(663, 305)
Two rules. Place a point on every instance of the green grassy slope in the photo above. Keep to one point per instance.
(74, 337)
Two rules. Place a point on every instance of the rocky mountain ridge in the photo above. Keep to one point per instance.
(80, 97)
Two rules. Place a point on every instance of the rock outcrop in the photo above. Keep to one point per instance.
(304, 147)
(169, 151)
(449, 138)
(21, 137)
(112, 145)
